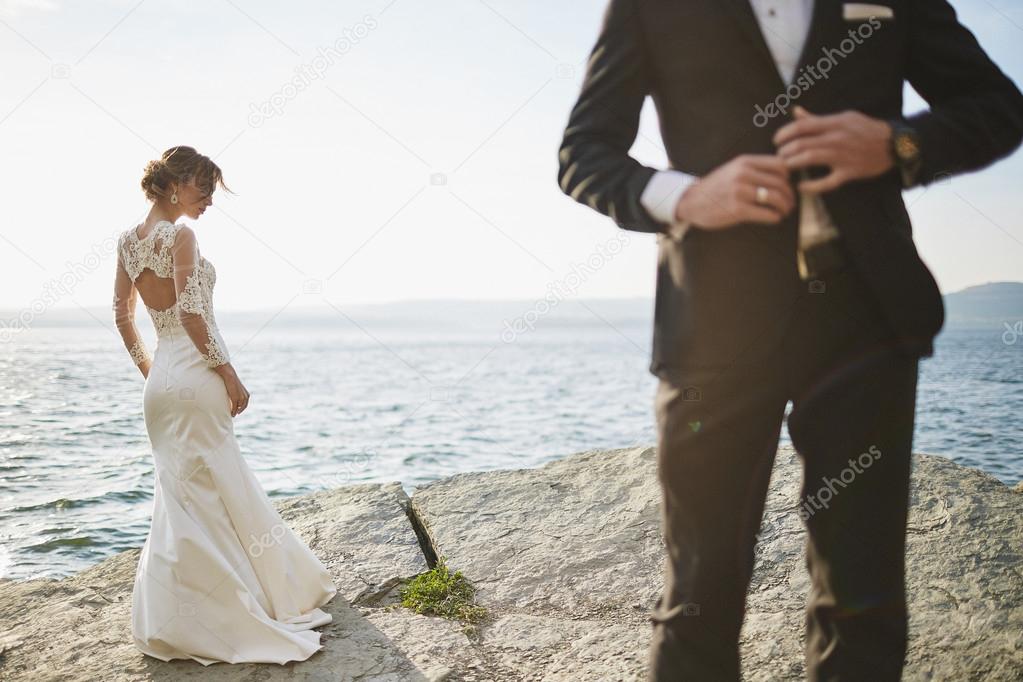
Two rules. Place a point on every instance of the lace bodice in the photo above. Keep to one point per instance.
(175, 257)
(153, 252)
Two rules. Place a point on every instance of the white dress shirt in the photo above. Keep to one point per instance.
(785, 25)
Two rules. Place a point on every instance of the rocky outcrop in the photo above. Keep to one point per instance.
(78, 628)
(567, 559)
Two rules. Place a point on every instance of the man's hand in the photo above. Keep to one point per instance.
(853, 145)
(728, 194)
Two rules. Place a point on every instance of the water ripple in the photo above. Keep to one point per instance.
(69, 432)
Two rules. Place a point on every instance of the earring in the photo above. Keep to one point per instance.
(174, 198)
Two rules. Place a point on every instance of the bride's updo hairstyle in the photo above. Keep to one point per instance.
(180, 165)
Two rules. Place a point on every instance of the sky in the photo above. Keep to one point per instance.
(417, 161)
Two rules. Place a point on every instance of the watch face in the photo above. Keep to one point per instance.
(906, 147)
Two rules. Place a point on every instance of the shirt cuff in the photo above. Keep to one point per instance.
(661, 195)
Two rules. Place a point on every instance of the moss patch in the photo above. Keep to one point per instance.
(441, 592)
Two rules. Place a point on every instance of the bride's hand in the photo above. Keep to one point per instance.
(236, 391)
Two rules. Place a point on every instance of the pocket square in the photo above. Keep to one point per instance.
(860, 11)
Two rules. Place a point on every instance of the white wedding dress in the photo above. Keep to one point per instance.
(221, 577)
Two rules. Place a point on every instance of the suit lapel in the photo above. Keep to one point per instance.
(746, 20)
(825, 14)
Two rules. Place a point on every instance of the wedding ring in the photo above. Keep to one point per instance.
(761, 195)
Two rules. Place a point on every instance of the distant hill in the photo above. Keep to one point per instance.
(427, 314)
(979, 306)
(984, 304)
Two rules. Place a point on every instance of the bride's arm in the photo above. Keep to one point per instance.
(191, 303)
(124, 317)
(192, 312)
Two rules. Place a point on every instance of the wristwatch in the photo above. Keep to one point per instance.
(906, 151)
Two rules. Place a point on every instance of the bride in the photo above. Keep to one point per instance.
(221, 577)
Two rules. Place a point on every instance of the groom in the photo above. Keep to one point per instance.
(786, 272)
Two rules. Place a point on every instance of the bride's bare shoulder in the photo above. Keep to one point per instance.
(183, 237)
(184, 232)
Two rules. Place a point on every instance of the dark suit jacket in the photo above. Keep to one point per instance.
(722, 296)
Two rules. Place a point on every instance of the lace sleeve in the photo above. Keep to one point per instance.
(124, 315)
(194, 298)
